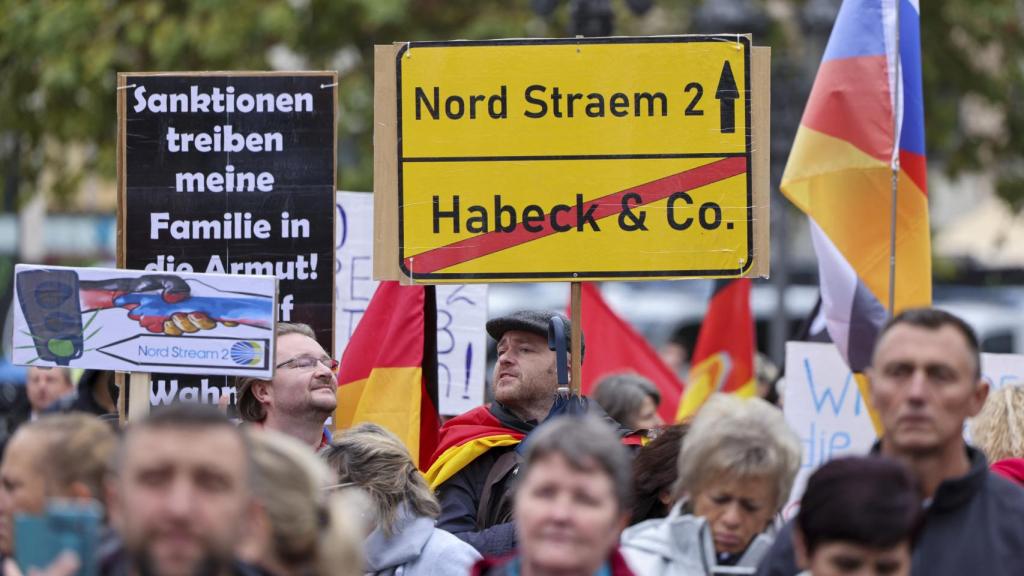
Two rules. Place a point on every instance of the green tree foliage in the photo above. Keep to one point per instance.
(973, 71)
(59, 59)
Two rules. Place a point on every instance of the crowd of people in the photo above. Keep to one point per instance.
(539, 482)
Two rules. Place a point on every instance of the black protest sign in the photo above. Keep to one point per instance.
(232, 173)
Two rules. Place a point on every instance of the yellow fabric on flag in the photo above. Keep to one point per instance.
(848, 193)
(390, 397)
(456, 458)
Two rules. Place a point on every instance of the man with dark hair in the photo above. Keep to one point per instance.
(182, 497)
(925, 379)
(303, 393)
(478, 453)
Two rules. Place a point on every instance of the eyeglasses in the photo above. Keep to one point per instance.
(305, 362)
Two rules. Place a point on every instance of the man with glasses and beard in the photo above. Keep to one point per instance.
(303, 393)
(182, 498)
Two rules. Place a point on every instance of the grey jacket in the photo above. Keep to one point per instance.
(682, 545)
(417, 548)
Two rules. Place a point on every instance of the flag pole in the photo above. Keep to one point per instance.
(895, 163)
(576, 347)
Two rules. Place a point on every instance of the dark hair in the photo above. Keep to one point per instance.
(871, 501)
(935, 319)
(654, 472)
(622, 395)
(184, 415)
(249, 408)
(187, 416)
(588, 444)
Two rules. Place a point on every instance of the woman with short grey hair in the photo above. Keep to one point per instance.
(402, 539)
(736, 469)
(571, 502)
(630, 399)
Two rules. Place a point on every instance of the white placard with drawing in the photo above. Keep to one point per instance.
(461, 309)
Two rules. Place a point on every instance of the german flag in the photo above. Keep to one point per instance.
(723, 359)
(388, 372)
(464, 439)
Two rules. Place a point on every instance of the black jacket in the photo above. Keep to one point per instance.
(973, 526)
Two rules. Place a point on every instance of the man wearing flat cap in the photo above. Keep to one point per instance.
(478, 456)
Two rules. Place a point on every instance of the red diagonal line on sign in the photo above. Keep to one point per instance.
(485, 244)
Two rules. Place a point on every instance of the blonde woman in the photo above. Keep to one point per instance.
(301, 527)
(736, 468)
(999, 431)
(402, 538)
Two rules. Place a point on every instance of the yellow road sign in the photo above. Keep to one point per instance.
(570, 159)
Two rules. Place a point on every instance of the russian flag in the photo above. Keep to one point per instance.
(864, 119)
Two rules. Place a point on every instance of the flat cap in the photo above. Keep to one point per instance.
(535, 321)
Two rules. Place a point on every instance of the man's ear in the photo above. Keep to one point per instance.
(978, 397)
(261, 391)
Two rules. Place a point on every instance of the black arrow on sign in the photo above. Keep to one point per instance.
(726, 94)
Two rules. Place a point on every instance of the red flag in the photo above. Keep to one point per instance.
(723, 359)
(388, 373)
(613, 346)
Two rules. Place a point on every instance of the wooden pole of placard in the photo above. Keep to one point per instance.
(576, 346)
(122, 416)
(133, 401)
(138, 395)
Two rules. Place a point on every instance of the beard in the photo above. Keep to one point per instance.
(209, 565)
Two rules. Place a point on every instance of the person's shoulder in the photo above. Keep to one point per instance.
(661, 535)
(446, 545)
(474, 416)
(481, 465)
(1007, 493)
(780, 559)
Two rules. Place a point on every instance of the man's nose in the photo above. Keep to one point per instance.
(917, 387)
(180, 497)
(322, 371)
